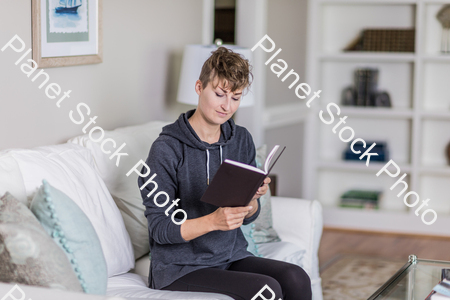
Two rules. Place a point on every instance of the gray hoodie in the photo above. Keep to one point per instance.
(183, 163)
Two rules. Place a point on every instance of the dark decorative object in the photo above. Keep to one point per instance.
(349, 96)
(382, 99)
(366, 81)
(444, 18)
(364, 92)
(380, 148)
(448, 153)
(384, 40)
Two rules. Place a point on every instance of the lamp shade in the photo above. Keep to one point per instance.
(194, 57)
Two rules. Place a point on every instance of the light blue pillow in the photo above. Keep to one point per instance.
(71, 229)
(264, 231)
(248, 231)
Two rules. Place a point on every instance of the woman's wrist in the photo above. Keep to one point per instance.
(254, 204)
(209, 222)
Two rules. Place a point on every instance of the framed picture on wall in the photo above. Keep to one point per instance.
(66, 32)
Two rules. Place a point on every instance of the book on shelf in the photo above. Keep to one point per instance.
(383, 40)
(235, 183)
(363, 199)
(380, 148)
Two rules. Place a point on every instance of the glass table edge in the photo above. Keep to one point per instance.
(412, 260)
(391, 280)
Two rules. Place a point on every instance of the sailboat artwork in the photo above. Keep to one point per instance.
(68, 16)
(68, 6)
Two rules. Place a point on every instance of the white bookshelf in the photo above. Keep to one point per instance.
(416, 128)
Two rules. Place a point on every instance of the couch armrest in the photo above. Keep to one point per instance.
(22, 291)
(300, 222)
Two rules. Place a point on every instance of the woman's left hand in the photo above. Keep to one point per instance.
(260, 192)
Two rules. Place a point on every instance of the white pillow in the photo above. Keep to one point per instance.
(70, 168)
(11, 177)
(125, 190)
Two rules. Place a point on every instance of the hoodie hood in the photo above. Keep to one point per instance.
(183, 131)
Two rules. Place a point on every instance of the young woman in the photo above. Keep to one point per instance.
(208, 252)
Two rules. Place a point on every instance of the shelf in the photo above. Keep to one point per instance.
(369, 57)
(371, 2)
(382, 2)
(377, 112)
(416, 128)
(443, 58)
(435, 170)
(373, 167)
(384, 221)
(445, 115)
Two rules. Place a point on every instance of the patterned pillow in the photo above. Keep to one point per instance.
(248, 231)
(71, 229)
(28, 255)
(264, 232)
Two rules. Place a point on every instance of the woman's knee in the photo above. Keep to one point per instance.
(267, 286)
(296, 278)
(299, 274)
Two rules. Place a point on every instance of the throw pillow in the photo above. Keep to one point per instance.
(264, 232)
(71, 229)
(138, 140)
(28, 255)
(71, 169)
(248, 231)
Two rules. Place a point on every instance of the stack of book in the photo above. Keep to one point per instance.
(386, 40)
(363, 199)
(380, 148)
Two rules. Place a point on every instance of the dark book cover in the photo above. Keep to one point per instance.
(235, 183)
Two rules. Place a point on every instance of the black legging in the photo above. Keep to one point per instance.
(246, 277)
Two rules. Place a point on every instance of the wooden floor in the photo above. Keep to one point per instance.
(336, 242)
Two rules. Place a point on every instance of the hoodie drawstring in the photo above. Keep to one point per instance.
(207, 163)
(207, 166)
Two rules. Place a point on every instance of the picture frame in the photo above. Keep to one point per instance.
(67, 33)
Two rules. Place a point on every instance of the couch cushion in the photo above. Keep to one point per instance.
(71, 229)
(132, 285)
(27, 253)
(284, 251)
(70, 169)
(125, 190)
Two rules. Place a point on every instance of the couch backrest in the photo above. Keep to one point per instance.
(11, 179)
(137, 141)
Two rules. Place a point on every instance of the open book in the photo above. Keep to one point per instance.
(236, 183)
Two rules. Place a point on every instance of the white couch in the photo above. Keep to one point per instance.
(298, 222)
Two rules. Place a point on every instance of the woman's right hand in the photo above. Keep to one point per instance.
(224, 218)
(229, 218)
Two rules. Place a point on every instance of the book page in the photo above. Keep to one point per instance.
(245, 166)
(269, 158)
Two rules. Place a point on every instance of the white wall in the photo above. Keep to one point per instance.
(136, 82)
(286, 26)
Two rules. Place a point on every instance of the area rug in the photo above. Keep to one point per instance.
(356, 277)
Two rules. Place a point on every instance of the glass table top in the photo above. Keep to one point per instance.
(413, 281)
